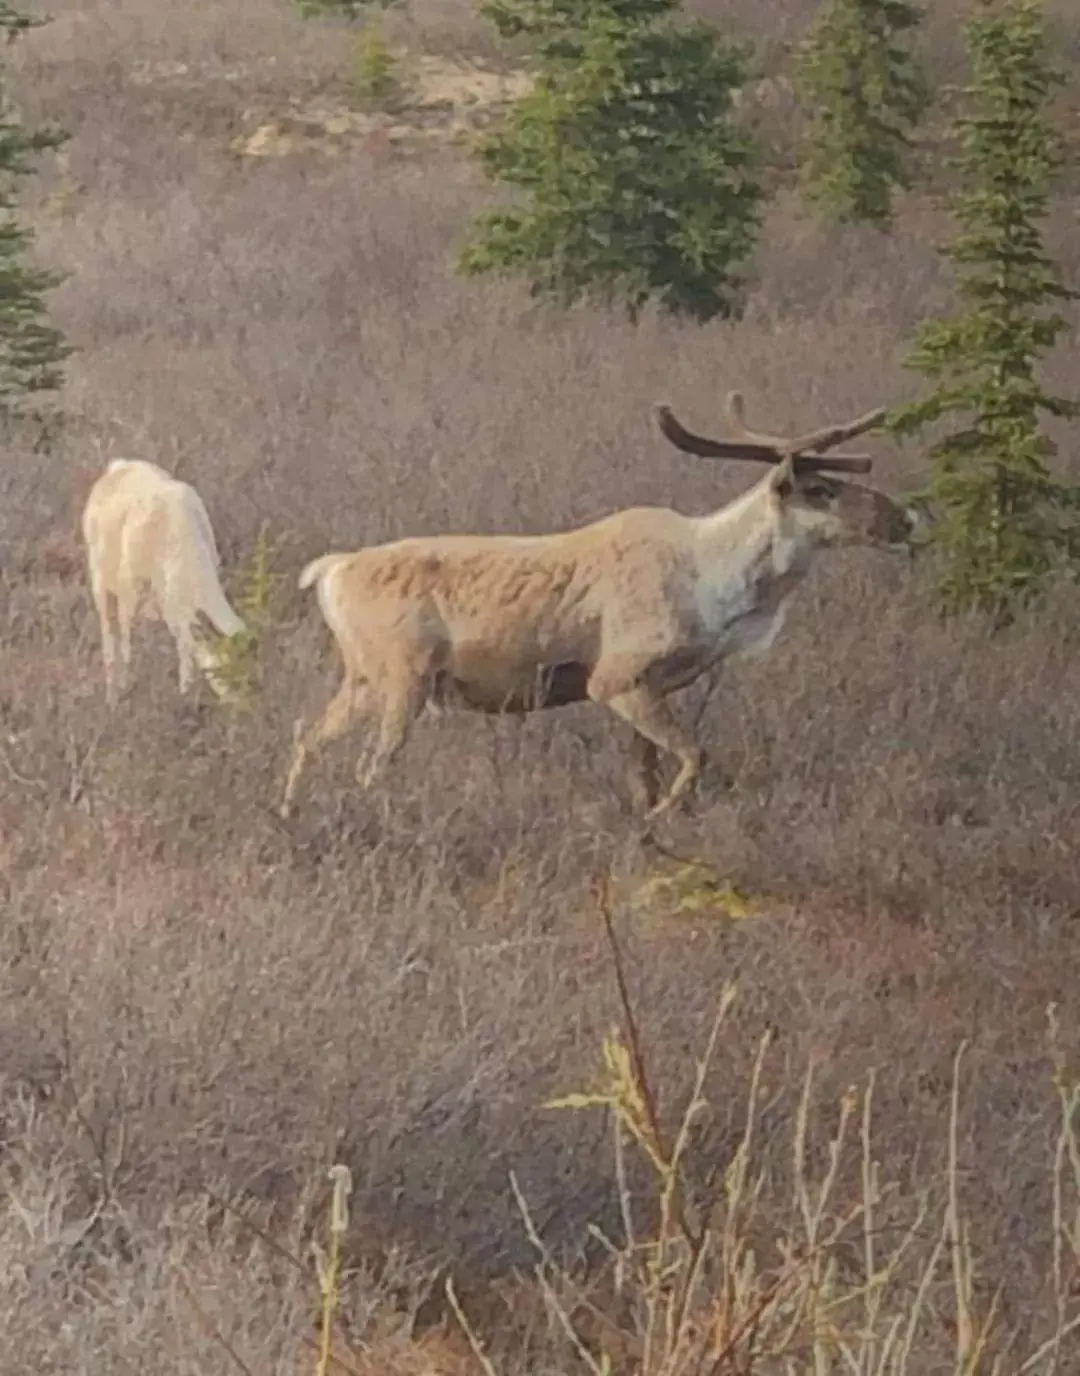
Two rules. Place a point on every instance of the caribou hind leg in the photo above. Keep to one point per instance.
(127, 605)
(404, 700)
(106, 607)
(345, 709)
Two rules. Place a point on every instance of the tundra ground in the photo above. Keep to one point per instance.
(194, 998)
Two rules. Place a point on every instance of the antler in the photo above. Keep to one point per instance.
(814, 441)
(764, 448)
(735, 407)
(690, 443)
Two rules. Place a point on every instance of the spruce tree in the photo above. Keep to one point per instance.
(638, 183)
(31, 351)
(863, 94)
(1004, 521)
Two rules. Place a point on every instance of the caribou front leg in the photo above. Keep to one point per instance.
(644, 773)
(653, 719)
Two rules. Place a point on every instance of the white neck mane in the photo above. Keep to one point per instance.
(750, 555)
(754, 532)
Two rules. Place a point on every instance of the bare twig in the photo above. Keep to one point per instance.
(24, 780)
(603, 900)
(637, 1056)
(334, 1358)
(467, 1328)
(543, 1266)
(78, 767)
(210, 1328)
(255, 1228)
(965, 1336)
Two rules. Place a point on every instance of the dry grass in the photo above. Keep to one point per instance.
(192, 998)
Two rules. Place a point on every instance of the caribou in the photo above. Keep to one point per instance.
(148, 533)
(623, 612)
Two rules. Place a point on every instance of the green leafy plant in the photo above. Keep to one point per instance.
(638, 184)
(31, 350)
(232, 664)
(1003, 522)
(863, 94)
(375, 70)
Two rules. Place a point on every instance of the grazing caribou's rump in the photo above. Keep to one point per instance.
(150, 546)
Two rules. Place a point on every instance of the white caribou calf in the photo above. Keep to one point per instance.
(622, 612)
(148, 533)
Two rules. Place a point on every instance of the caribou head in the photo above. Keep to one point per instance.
(804, 484)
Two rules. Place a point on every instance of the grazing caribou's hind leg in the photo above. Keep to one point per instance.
(175, 608)
(394, 698)
(106, 608)
(652, 718)
(127, 604)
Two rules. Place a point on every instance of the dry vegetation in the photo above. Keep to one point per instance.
(194, 999)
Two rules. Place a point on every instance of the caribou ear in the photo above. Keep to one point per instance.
(782, 478)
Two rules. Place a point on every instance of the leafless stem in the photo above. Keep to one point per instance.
(467, 1328)
(210, 1328)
